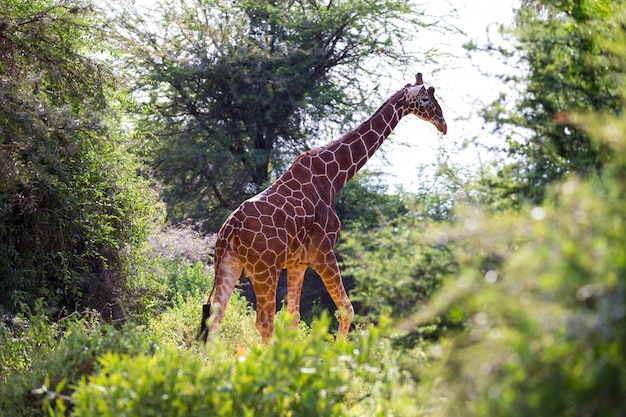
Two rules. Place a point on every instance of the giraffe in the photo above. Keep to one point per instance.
(292, 224)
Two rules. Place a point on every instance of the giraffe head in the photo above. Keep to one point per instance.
(421, 102)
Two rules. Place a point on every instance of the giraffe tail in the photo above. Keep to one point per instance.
(224, 235)
(203, 334)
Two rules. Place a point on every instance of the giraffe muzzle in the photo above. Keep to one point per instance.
(441, 125)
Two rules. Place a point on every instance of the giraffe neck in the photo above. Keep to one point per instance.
(353, 149)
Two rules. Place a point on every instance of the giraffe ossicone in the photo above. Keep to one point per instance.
(293, 225)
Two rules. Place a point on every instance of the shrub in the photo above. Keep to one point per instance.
(178, 325)
(546, 332)
(297, 374)
(173, 266)
(71, 203)
(396, 268)
(42, 360)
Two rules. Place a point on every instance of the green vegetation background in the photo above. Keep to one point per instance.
(501, 294)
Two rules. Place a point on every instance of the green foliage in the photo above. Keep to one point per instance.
(396, 267)
(546, 332)
(178, 325)
(172, 266)
(394, 251)
(191, 280)
(230, 92)
(42, 360)
(566, 68)
(43, 47)
(24, 341)
(310, 377)
(70, 199)
(363, 203)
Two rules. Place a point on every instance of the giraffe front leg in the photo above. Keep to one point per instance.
(329, 272)
(295, 279)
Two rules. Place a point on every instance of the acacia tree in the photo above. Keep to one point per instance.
(565, 69)
(229, 91)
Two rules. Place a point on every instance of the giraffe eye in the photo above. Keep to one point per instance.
(425, 100)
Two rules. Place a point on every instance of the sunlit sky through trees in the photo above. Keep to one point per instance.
(415, 151)
(463, 84)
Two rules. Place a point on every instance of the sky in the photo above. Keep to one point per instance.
(459, 87)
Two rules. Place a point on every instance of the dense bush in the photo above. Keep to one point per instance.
(297, 374)
(364, 202)
(41, 360)
(70, 200)
(395, 253)
(397, 267)
(546, 332)
(173, 265)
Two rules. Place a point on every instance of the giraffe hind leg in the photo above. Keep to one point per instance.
(295, 279)
(226, 276)
(329, 272)
(264, 284)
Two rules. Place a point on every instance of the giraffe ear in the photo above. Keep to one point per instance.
(431, 90)
(418, 78)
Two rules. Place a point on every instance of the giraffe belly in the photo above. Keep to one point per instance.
(298, 255)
